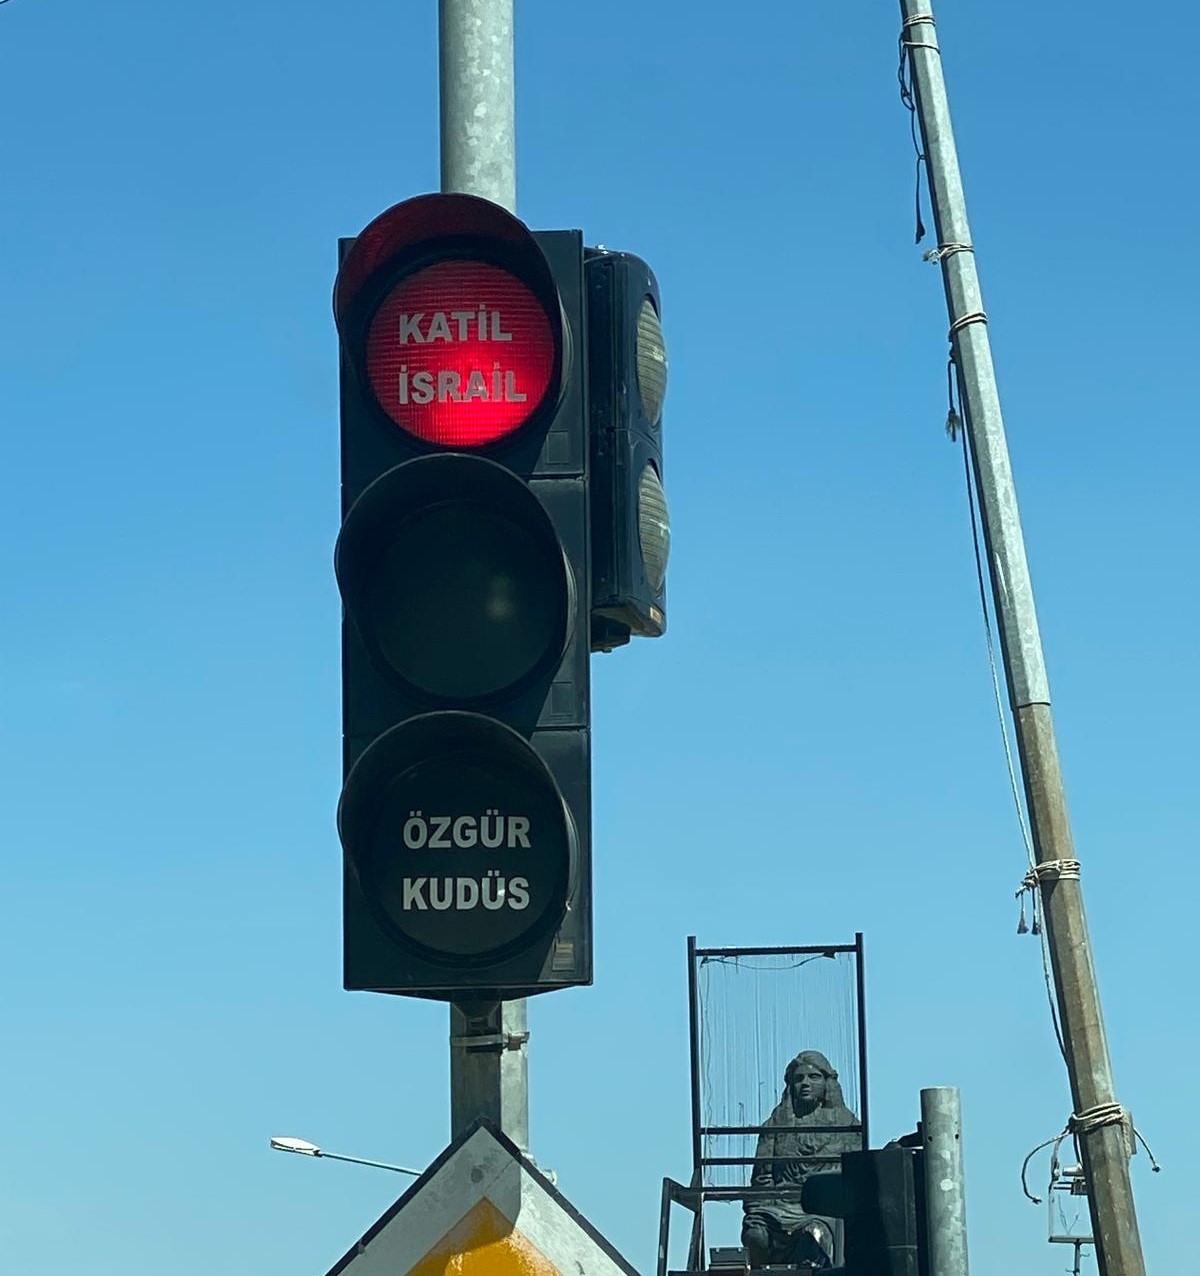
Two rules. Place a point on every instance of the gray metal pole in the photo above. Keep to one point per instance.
(945, 1194)
(1098, 1119)
(489, 1068)
(479, 149)
(489, 1064)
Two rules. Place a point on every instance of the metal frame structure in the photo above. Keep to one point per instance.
(696, 1195)
(1066, 1180)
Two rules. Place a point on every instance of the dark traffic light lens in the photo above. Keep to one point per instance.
(458, 835)
(654, 526)
(651, 362)
(467, 602)
(455, 579)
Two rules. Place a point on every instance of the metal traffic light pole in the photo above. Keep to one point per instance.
(945, 1198)
(489, 1064)
(1101, 1125)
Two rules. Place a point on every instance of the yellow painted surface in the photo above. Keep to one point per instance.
(484, 1243)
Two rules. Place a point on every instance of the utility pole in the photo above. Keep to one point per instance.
(945, 1199)
(489, 1064)
(1101, 1125)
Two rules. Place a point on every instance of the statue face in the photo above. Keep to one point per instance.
(807, 1087)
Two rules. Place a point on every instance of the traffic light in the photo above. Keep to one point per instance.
(627, 382)
(464, 566)
(880, 1195)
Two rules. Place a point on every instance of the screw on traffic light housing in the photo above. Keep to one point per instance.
(880, 1196)
(627, 381)
(463, 562)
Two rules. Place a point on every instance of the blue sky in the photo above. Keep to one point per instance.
(812, 750)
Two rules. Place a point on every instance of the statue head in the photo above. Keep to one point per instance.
(810, 1081)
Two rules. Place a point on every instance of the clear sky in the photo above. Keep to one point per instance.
(812, 750)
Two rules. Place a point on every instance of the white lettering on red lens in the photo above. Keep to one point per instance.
(439, 327)
(488, 325)
(448, 382)
(410, 328)
(419, 387)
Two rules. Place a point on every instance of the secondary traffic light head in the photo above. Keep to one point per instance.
(627, 383)
(880, 1195)
(463, 562)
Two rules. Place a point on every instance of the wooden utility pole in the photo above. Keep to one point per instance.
(1100, 1124)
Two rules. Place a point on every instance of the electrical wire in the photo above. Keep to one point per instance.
(955, 427)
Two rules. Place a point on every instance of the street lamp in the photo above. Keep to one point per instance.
(302, 1147)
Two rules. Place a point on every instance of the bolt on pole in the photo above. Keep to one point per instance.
(1100, 1123)
(489, 1063)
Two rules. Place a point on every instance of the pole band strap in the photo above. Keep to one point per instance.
(942, 251)
(1094, 1118)
(1051, 871)
(920, 19)
(976, 316)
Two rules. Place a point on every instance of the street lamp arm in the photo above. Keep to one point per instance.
(302, 1147)
(358, 1160)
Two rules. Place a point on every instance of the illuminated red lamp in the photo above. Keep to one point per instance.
(460, 354)
(459, 350)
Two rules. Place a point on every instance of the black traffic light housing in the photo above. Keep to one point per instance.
(880, 1194)
(464, 566)
(627, 378)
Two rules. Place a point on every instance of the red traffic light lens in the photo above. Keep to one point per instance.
(461, 354)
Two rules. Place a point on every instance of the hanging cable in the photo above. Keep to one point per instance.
(955, 428)
(905, 76)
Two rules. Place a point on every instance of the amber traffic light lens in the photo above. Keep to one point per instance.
(467, 603)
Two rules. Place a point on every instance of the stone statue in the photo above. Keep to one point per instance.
(780, 1231)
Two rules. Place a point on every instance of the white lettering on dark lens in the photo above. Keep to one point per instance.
(497, 334)
(491, 890)
(491, 829)
(466, 894)
(439, 327)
